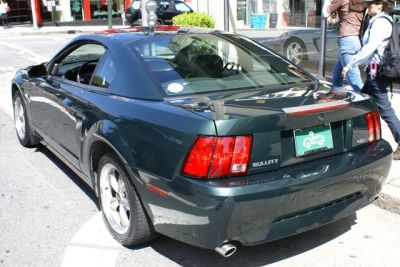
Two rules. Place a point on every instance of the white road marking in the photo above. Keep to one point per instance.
(92, 246)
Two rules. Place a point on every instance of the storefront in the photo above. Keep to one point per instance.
(20, 10)
(64, 10)
(300, 13)
(278, 13)
(285, 12)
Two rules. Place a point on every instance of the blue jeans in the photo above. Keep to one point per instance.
(348, 46)
(377, 88)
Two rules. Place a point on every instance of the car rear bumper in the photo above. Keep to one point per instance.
(269, 206)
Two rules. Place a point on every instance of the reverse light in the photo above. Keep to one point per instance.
(217, 157)
(374, 126)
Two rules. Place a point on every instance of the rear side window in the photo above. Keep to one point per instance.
(105, 72)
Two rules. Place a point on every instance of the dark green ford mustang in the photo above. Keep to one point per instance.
(206, 137)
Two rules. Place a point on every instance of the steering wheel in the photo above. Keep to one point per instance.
(231, 65)
(85, 71)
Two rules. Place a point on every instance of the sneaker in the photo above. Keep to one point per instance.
(396, 154)
(331, 96)
(342, 90)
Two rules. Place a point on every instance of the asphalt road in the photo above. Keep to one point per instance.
(49, 217)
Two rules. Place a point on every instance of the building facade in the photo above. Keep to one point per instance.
(278, 13)
(64, 10)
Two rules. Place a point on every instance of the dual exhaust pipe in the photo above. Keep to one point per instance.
(226, 250)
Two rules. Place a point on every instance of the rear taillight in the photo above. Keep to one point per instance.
(377, 123)
(374, 126)
(216, 157)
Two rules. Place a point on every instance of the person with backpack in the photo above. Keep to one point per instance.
(375, 40)
(350, 14)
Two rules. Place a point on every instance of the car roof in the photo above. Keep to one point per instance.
(117, 41)
(129, 34)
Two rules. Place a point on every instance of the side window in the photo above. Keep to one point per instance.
(182, 7)
(105, 72)
(136, 4)
(79, 65)
(163, 5)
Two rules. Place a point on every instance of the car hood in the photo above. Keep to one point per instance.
(240, 104)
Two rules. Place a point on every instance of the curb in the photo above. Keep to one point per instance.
(389, 199)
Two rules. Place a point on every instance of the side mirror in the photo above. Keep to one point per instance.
(37, 71)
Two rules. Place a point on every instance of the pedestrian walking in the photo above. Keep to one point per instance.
(375, 40)
(4, 9)
(350, 14)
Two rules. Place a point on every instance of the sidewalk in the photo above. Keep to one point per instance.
(390, 195)
(27, 29)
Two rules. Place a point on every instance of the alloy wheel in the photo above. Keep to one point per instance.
(114, 199)
(19, 118)
(294, 52)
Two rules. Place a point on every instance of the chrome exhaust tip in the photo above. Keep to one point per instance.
(226, 250)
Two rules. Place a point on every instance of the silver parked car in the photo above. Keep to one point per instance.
(304, 44)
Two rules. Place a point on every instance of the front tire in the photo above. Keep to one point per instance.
(21, 122)
(122, 210)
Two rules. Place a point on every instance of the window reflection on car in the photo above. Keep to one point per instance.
(196, 63)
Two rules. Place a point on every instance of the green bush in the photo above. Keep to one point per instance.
(194, 19)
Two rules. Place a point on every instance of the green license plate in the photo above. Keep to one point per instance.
(313, 140)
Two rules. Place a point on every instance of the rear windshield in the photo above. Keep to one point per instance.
(207, 62)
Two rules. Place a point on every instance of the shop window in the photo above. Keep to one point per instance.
(241, 10)
(99, 8)
(76, 9)
(20, 11)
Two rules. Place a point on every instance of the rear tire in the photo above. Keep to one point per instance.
(295, 50)
(122, 210)
(21, 122)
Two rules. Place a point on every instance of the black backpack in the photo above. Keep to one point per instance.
(390, 62)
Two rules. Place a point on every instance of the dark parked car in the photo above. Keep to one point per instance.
(165, 12)
(203, 136)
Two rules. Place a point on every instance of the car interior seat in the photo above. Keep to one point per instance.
(210, 65)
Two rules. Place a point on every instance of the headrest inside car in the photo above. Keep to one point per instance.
(207, 65)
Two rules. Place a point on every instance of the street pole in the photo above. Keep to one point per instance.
(53, 13)
(34, 19)
(109, 11)
(321, 69)
(226, 15)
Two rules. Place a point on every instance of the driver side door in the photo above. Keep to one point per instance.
(56, 105)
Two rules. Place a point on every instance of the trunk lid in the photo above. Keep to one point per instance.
(289, 125)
